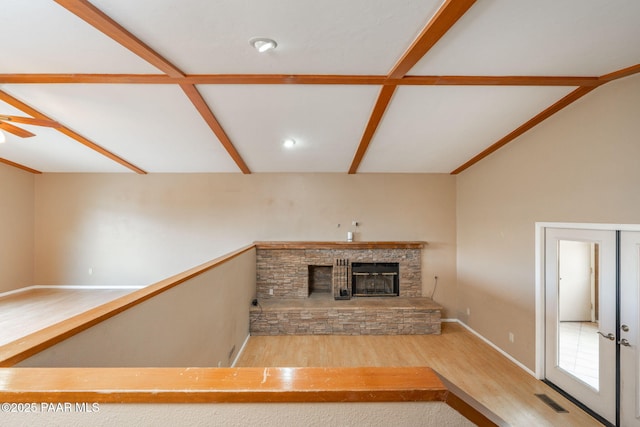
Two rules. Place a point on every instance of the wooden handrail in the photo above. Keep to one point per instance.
(233, 385)
(25, 347)
(199, 385)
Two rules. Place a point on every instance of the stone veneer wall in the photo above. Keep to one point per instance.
(286, 271)
(346, 321)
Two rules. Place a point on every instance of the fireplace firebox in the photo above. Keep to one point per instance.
(375, 279)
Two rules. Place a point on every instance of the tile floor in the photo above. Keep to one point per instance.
(578, 347)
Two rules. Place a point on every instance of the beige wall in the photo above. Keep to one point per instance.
(581, 165)
(202, 322)
(135, 230)
(16, 228)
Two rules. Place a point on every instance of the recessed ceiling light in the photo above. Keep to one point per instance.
(289, 142)
(263, 44)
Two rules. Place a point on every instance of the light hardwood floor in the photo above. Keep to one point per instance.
(33, 309)
(458, 355)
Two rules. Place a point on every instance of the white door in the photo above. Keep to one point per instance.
(629, 328)
(580, 356)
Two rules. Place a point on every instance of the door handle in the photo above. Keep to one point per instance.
(624, 342)
(609, 336)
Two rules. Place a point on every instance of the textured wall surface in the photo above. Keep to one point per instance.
(398, 414)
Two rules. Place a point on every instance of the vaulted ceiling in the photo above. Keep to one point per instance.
(150, 86)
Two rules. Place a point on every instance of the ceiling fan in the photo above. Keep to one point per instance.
(22, 133)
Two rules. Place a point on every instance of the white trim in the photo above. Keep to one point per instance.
(16, 291)
(539, 295)
(590, 226)
(540, 228)
(449, 320)
(498, 349)
(86, 287)
(246, 340)
(28, 288)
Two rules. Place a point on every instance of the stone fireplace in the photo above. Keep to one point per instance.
(312, 288)
(301, 269)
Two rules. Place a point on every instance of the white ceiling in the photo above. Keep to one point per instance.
(425, 128)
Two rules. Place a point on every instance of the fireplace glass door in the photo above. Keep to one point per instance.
(375, 279)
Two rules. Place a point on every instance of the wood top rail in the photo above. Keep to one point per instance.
(200, 385)
(233, 385)
(340, 245)
(25, 347)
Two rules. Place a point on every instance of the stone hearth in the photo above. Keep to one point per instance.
(358, 316)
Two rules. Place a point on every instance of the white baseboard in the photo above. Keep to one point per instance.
(87, 287)
(246, 340)
(28, 288)
(16, 291)
(495, 347)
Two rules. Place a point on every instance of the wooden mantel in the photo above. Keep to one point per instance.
(340, 245)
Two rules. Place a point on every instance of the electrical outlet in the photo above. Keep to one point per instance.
(511, 337)
(468, 311)
(270, 291)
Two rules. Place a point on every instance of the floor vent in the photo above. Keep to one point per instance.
(551, 403)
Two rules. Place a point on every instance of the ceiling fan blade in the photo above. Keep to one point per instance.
(16, 130)
(30, 121)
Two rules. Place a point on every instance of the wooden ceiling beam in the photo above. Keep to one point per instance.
(442, 21)
(99, 20)
(283, 79)
(625, 72)
(70, 133)
(19, 166)
(198, 101)
(376, 116)
(193, 79)
(569, 99)
(496, 81)
(87, 78)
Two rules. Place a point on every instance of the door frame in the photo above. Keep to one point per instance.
(540, 228)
